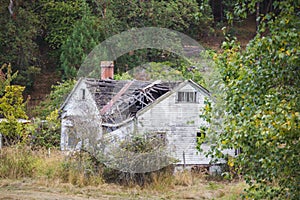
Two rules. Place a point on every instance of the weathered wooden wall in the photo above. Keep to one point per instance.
(180, 122)
(82, 116)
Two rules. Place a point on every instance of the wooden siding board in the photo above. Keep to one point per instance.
(180, 121)
(84, 108)
(173, 118)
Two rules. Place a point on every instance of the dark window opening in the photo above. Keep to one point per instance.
(72, 139)
(158, 138)
(161, 136)
(83, 94)
(189, 97)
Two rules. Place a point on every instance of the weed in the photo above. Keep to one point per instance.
(184, 178)
(71, 173)
(17, 162)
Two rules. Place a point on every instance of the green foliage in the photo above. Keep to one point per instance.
(123, 76)
(18, 35)
(85, 36)
(206, 115)
(46, 133)
(27, 77)
(73, 28)
(57, 96)
(45, 130)
(262, 104)
(12, 108)
(178, 15)
(143, 143)
(59, 18)
(166, 71)
(6, 77)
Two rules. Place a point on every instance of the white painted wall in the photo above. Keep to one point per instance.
(81, 115)
(180, 121)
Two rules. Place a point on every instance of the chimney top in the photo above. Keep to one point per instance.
(107, 70)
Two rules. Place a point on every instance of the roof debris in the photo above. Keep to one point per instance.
(120, 100)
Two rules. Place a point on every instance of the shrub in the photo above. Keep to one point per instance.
(157, 178)
(80, 169)
(46, 133)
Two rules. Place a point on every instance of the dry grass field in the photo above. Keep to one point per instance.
(27, 174)
(37, 189)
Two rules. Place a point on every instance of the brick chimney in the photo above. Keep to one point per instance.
(107, 70)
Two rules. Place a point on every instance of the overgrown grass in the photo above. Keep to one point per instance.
(80, 169)
(22, 162)
(17, 162)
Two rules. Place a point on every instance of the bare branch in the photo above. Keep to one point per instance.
(10, 7)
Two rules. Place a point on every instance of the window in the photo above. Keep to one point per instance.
(189, 97)
(72, 139)
(83, 94)
(158, 138)
(161, 136)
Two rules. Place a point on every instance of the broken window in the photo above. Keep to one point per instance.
(161, 137)
(146, 142)
(188, 97)
(71, 133)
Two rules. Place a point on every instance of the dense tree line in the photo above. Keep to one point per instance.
(260, 106)
(261, 101)
(63, 32)
(58, 34)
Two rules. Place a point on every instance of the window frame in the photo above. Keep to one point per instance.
(186, 97)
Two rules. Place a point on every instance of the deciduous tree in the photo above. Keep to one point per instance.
(262, 103)
(12, 108)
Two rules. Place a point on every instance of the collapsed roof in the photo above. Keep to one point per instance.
(121, 100)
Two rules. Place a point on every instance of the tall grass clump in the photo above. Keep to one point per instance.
(17, 162)
(22, 162)
(157, 179)
(81, 169)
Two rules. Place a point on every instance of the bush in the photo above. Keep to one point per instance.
(163, 176)
(46, 133)
(80, 169)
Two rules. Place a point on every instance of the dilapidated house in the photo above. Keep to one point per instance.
(105, 106)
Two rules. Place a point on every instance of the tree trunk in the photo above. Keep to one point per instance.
(257, 15)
